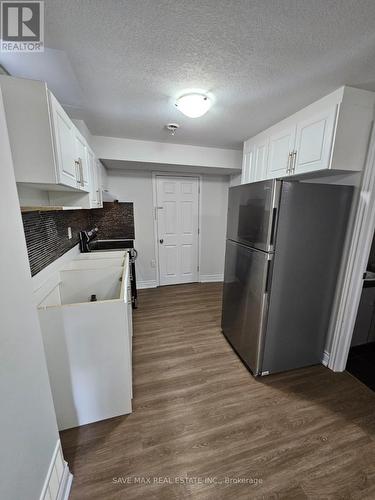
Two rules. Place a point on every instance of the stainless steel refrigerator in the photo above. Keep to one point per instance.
(283, 253)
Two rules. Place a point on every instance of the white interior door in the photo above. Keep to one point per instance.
(177, 223)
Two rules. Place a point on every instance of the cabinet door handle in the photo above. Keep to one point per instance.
(288, 164)
(81, 172)
(78, 172)
(294, 161)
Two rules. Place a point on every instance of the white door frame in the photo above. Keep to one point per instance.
(359, 251)
(154, 203)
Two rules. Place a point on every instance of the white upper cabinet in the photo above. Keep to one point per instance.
(248, 174)
(280, 151)
(255, 157)
(65, 146)
(329, 136)
(48, 150)
(96, 199)
(99, 183)
(261, 148)
(313, 143)
(83, 167)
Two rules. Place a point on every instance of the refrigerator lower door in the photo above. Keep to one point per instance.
(245, 301)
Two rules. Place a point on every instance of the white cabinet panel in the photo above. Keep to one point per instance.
(314, 141)
(248, 167)
(82, 161)
(281, 146)
(95, 180)
(260, 161)
(65, 147)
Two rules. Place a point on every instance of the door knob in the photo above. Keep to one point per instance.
(161, 241)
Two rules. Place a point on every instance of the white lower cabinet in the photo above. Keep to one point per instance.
(88, 344)
(329, 136)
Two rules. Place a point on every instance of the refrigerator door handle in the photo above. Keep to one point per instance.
(273, 226)
(268, 276)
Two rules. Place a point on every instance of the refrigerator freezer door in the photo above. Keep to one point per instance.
(310, 238)
(252, 214)
(245, 301)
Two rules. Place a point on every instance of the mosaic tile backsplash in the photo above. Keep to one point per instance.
(46, 232)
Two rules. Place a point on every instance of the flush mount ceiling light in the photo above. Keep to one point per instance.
(193, 105)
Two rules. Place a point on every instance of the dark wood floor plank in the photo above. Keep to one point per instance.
(200, 416)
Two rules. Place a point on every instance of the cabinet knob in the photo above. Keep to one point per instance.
(161, 241)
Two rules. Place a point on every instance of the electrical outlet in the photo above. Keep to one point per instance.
(69, 233)
(153, 263)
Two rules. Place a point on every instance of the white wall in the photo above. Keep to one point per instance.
(27, 418)
(136, 186)
(132, 150)
(214, 226)
(235, 179)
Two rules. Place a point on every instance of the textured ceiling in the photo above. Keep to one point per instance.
(119, 64)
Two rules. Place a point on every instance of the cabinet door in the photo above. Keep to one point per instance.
(99, 183)
(91, 163)
(260, 160)
(281, 145)
(248, 174)
(95, 184)
(64, 143)
(82, 159)
(314, 139)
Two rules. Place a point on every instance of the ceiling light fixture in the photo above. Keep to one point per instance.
(193, 105)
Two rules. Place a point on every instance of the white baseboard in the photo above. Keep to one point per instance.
(204, 278)
(211, 278)
(147, 284)
(58, 479)
(65, 484)
(325, 358)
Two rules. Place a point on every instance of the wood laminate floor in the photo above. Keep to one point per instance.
(204, 428)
